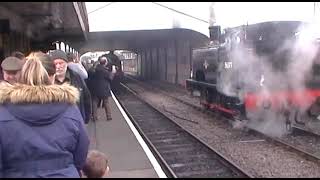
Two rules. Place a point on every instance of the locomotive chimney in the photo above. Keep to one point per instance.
(214, 30)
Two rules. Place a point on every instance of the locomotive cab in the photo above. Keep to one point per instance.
(213, 74)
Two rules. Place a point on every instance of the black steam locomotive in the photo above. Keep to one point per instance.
(115, 62)
(248, 69)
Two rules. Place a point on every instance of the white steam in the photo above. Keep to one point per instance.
(212, 16)
(280, 74)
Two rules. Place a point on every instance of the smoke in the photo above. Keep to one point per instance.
(176, 23)
(270, 75)
(212, 16)
(246, 70)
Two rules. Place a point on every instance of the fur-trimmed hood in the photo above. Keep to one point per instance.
(38, 105)
(21, 93)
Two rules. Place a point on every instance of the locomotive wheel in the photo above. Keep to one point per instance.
(298, 118)
(289, 127)
(294, 116)
(290, 116)
(314, 111)
(204, 98)
(238, 115)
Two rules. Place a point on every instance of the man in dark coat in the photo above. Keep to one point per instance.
(101, 87)
(115, 61)
(64, 74)
(91, 74)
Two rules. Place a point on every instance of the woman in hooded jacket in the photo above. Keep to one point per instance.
(42, 133)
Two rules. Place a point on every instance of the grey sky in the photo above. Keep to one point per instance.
(146, 15)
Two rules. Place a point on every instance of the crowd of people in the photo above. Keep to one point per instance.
(45, 102)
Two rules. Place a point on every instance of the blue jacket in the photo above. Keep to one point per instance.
(42, 133)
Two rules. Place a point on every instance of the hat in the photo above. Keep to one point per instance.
(102, 60)
(58, 54)
(18, 54)
(70, 56)
(12, 64)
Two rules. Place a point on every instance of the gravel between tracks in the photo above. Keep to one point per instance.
(258, 157)
(308, 143)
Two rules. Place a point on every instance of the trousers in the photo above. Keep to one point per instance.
(106, 107)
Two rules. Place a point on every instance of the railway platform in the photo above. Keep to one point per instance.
(129, 156)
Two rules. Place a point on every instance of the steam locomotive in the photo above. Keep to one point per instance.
(115, 62)
(250, 71)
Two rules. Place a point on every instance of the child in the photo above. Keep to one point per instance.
(96, 165)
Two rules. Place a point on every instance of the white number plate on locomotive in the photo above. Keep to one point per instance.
(228, 65)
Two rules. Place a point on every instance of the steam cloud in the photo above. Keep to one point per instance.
(251, 69)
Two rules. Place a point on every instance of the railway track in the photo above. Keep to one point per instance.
(181, 154)
(152, 88)
(307, 140)
(301, 141)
